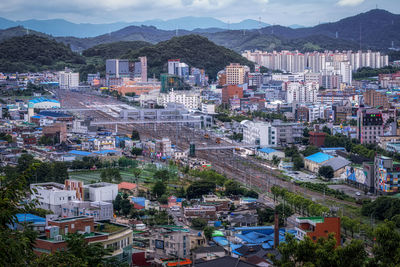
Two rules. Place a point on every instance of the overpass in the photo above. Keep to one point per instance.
(144, 122)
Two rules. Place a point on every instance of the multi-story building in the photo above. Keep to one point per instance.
(117, 68)
(235, 74)
(230, 92)
(102, 191)
(294, 61)
(259, 133)
(170, 241)
(301, 92)
(190, 99)
(68, 79)
(178, 68)
(287, 133)
(99, 210)
(318, 227)
(369, 125)
(387, 174)
(51, 196)
(201, 211)
(140, 70)
(116, 237)
(375, 98)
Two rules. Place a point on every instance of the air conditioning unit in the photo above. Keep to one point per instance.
(58, 238)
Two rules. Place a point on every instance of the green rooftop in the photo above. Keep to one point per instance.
(317, 219)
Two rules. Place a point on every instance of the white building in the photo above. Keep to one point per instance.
(301, 92)
(68, 79)
(51, 196)
(43, 103)
(106, 192)
(191, 100)
(208, 108)
(258, 133)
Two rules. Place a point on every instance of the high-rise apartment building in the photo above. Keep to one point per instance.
(68, 79)
(117, 68)
(140, 69)
(374, 98)
(369, 125)
(235, 73)
(301, 92)
(176, 67)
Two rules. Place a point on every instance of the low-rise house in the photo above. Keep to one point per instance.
(269, 153)
(313, 162)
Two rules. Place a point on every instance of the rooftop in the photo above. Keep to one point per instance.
(267, 150)
(43, 99)
(319, 157)
(317, 219)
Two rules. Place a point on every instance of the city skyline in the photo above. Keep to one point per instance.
(283, 12)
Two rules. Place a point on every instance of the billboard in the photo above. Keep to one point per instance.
(159, 244)
(356, 175)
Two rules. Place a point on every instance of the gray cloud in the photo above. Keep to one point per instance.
(284, 12)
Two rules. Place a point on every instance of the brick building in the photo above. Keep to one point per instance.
(317, 227)
(317, 138)
(374, 98)
(231, 91)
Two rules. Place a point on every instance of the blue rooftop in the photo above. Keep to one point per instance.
(319, 157)
(27, 217)
(43, 99)
(105, 151)
(267, 150)
(53, 114)
(79, 153)
(332, 148)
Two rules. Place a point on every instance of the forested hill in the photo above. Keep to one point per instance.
(194, 50)
(114, 50)
(35, 53)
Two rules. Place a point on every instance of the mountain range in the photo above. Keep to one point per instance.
(377, 28)
(61, 27)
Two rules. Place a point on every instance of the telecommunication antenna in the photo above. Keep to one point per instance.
(259, 25)
(337, 35)
(360, 36)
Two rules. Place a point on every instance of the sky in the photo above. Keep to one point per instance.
(283, 12)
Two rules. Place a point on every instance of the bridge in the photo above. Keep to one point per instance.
(144, 122)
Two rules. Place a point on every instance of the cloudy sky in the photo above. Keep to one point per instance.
(284, 12)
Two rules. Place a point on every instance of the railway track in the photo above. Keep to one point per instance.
(245, 170)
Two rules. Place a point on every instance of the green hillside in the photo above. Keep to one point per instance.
(35, 53)
(194, 50)
(114, 50)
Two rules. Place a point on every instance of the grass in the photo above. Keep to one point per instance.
(111, 228)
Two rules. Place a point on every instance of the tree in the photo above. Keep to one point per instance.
(208, 231)
(136, 173)
(275, 160)
(199, 188)
(326, 171)
(162, 175)
(159, 189)
(252, 194)
(323, 252)
(135, 135)
(163, 199)
(126, 206)
(135, 151)
(325, 129)
(111, 175)
(310, 150)
(233, 188)
(298, 163)
(16, 247)
(198, 223)
(386, 249)
(78, 253)
(117, 203)
(284, 212)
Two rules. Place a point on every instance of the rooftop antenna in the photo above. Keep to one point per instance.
(360, 35)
